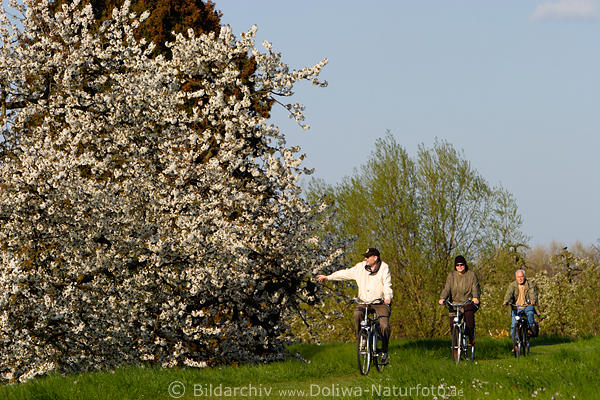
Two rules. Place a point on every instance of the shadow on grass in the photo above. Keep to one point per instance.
(550, 340)
(311, 350)
(485, 348)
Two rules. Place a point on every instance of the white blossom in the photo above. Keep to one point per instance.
(140, 221)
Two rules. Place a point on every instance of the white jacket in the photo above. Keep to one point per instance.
(370, 287)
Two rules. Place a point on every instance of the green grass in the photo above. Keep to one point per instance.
(557, 368)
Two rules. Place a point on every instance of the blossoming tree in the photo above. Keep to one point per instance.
(140, 220)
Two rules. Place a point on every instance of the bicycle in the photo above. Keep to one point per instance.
(366, 346)
(520, 336)
(460, 342)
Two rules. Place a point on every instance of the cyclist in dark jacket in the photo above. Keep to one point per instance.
(461, 285)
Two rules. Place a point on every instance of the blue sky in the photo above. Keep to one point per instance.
(513, 83)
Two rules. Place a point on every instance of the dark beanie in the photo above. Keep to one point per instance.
(461, 259)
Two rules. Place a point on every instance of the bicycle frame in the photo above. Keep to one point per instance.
(460, 345)
(367, 339)
(520, 338)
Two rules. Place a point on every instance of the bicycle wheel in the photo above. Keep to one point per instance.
(456, 338)
(464, 347)
(517, 340)
(379, 364)
(468, 351)
(363, 352)
(472, 352)
(524, 342)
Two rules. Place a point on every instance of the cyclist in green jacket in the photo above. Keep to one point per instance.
(462, 284)
(521, 291)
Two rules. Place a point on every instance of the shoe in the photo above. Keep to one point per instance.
(384, 358)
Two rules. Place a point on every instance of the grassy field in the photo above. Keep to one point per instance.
(556, 369)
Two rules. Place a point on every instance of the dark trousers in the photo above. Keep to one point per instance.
(469, 317)
(383, 311)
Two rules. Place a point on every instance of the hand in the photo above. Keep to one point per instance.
(476, 301)
(532, 303)
(441, 302)
(387, 301)
(504, 303)
(321, 278)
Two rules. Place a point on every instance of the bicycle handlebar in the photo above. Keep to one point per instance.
(369, 303)
(456, 305)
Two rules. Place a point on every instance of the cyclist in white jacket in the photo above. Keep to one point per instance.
(374, 281)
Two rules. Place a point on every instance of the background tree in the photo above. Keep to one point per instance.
(124, 237)
(539, 257)
(421, 213)
(569, 297)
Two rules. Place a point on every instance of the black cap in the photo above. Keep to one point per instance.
(461, 259)
(371, 251)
